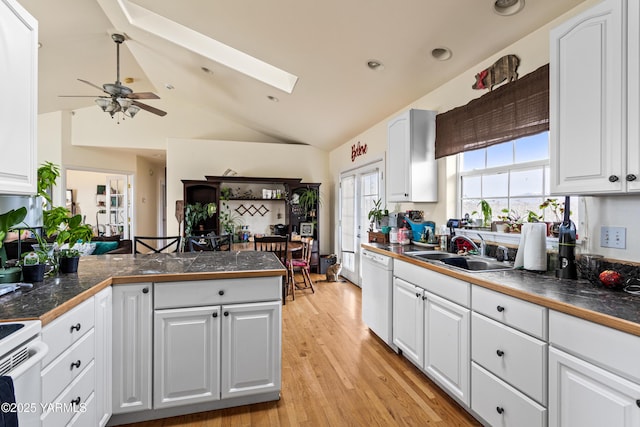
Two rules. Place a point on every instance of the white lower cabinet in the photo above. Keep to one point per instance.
(132, 338)
(187, 356)
(251, 350)
(432, 331)
(446, 345)
(584, 395)
(408, 325)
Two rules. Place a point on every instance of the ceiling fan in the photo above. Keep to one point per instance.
(120, 98)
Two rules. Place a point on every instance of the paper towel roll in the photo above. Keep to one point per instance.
(532, 251)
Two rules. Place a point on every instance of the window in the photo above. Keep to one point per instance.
(513, 175)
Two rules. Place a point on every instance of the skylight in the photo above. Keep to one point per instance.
(205, 46)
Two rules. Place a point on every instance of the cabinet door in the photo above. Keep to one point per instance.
(446, 345)
(633, 97)
(132, 335)
(186, 356)
(398, 149)
(19, 118)
(251, 348)
(587, 111)
(584, 395)
(408, 326)
(103, 340)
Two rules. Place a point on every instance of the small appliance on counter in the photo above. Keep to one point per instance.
(567, 246)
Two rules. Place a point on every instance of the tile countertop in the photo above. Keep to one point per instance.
(56, 295)
(579, 298)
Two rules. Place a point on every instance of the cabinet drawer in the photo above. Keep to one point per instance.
(454, 290)
(511, 355)
(88, 416)
(502, 405)
(82, 387)
(67, 329)
(525, 316)
(58, 374)
(197, 293)
(609, 348)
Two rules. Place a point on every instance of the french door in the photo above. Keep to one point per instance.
(359, 189)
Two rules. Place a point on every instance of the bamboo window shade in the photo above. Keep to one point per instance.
(511, 111)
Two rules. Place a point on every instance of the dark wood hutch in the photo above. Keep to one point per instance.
(221, 189)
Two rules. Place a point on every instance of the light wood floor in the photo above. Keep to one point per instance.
(337, 373)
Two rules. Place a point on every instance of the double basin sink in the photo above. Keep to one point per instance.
(468, 262)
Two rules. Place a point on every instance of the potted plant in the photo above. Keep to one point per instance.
(229, 220)
(376, 214)
(487, 214)
(47, 174)
(196, 213)
(8, 220)
(557, 208)
(33, 265)
(67, 229)
(309, 200)
(512, 220)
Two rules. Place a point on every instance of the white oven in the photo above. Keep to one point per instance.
(21, 354)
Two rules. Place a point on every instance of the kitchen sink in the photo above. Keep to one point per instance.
(431, 255)
(476, 264)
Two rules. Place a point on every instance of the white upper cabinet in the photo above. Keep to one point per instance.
(18, 107)
(412, 171)
(595, 101)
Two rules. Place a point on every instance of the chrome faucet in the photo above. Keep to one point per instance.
(483, 245)
(466, 239)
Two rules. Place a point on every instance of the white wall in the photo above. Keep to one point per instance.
(194, 159)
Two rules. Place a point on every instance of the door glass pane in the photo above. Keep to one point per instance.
(370, 194)
(347, 213)
(500, 155)
(526, 182)
(496, 185)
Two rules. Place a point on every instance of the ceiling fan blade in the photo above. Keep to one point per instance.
(143, 95)
(81, 96)
(150, 109)
(91, 84)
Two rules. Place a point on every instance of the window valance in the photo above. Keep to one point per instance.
(511, 111)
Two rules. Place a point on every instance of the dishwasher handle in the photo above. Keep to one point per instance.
(38, 350)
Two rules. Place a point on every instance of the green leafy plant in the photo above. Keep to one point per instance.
(10, 219)
(229, 220)
(487, 214)
(48, 174)
(195, 213)
(557, 208)
(513, 220)
(66, 228)
(309, 200)
(34, 258)
(376, 214)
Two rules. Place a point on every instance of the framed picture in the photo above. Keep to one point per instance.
(306, 229)
(101, 189)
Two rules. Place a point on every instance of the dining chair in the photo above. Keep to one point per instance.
(156, 244)
(302, 265)
(279, 246)
(209, 243)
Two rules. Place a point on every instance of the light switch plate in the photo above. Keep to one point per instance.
(613, 237)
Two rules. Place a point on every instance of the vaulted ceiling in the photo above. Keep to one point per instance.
(326, 44)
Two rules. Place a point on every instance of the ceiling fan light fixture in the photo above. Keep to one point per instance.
(132, 110)
(125, 103)
(103, 103)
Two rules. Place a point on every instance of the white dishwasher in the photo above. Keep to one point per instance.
(377, 294)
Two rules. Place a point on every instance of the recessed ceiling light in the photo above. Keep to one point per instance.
(441, 53)
(168, 86)
(508, 7)
(272, 98)
(375, 65)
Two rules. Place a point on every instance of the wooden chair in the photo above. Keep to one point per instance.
(209, 243)
(303, 265)
(279, 246)
(151, 243)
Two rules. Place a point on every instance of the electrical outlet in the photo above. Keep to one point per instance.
(613, 237)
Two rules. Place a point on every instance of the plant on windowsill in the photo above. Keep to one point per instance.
(487, 214)
(512, 220)
(376, 215)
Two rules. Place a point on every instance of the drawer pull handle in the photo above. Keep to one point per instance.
(631, 177)
(499, 409)
(145, 290)
(500, 353)
(76, 364)
(220, 293)
(417, 295)
(215, 314)
(613, 178)
(500, 308)
(76, 327)
(226, 313)
(424, 297)
(638, 403)
(76, 401)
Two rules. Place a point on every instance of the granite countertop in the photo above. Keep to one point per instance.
(56, 295)
(580, 298)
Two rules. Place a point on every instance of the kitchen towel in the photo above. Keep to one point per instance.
(532, 251)
(8, 416)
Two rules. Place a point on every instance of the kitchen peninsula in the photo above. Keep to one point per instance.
(186, 332)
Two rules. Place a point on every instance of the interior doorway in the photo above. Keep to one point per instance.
(103, 199)
(359, 188)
